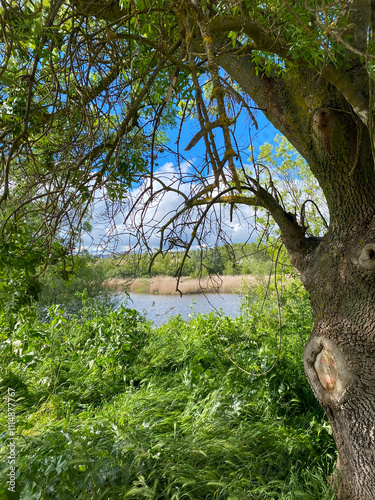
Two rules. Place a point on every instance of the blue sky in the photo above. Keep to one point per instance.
(245, 134)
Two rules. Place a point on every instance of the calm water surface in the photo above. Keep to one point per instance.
(158, 308)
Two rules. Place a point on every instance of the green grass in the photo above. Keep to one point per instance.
(111, 408)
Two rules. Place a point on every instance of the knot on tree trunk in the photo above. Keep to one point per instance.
(323, 118)
(367, 257)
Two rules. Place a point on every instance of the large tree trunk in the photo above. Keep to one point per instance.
(339, 275)
(340, 354)
(337, 270)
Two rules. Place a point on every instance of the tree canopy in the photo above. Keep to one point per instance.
(89, 89)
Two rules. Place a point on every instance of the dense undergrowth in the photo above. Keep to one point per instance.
(109, 407)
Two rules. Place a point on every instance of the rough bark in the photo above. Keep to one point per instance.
(339, 270)
(342, 296)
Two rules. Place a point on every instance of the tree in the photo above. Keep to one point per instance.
(87, 87)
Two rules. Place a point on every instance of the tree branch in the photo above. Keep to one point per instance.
(260, 36)
(345, 86)
(108, 11)
(292, 234)
(264, 41)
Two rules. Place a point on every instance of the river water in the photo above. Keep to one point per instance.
(158, 308)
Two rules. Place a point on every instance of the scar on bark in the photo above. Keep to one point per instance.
(323, 124)
(326, 368)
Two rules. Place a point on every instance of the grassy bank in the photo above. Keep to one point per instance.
(110, 408)
(166, 285)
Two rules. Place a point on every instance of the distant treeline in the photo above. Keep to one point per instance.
(239, 258)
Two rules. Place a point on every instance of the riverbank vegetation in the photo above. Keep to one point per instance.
(59, 284)
(109, 407)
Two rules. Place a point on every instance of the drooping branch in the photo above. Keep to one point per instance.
(292, 234)
(344, 84)
(199, 135)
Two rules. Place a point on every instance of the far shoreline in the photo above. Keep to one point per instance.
(167, 285)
